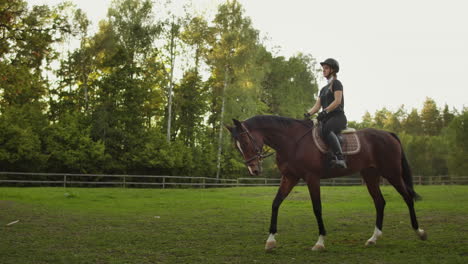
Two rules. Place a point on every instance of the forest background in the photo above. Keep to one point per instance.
(113, 105)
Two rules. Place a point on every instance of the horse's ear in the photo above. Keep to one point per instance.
(237, 123)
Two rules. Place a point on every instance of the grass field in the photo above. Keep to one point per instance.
(225, 226)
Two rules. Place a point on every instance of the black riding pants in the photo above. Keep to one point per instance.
(335, 121)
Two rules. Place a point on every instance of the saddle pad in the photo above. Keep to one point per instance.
(351, 144)
(348, 130)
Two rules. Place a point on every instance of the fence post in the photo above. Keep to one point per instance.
(125, 181)
(64, 181)
(204, 182)
(164, 182)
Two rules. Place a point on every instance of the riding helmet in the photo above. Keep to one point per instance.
(332, 63)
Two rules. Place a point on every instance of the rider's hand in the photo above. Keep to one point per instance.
(321, 116)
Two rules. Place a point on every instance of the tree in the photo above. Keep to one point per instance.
(174, 29)
(192, 95)
(366, 120)
(381, 117)
(75, 91)
(29, 36)
(26, 52)
(447, 116)
(191, 104)
(197, 35)
(70, 147)
(20, 142)
(413, 123)
(430, 117)
(290, 85)
(127, 56)
(235, 74)
(393, 120)
(457, 138)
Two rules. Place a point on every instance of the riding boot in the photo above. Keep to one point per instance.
(334, 144)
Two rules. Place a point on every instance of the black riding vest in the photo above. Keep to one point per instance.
(327, 96)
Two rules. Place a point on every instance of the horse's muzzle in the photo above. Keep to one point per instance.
(255, 170)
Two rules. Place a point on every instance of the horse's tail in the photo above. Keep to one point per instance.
(407, 175)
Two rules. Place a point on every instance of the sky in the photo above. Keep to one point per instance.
(391, 53)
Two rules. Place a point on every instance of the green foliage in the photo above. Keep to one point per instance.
(70, 147)
(431, 118)
(27, 42)
(457, 137)
(197, 34)
(190, 105)
(413, 123)
(234, 57)
(433, 140)
(20, 139)
(156, 156)
(427, 154)
(290, 85)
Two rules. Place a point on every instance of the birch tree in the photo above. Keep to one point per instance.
(235, 74)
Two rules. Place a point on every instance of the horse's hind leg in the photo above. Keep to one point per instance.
(313, 183)
(400, 186)
(372, 178)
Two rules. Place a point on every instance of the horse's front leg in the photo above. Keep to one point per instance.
(313, 182)
(285, 188)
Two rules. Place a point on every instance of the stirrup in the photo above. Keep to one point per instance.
(338, 163)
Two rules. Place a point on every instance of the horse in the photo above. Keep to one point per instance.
(297, 157)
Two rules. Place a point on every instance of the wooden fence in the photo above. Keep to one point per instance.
(161, 181)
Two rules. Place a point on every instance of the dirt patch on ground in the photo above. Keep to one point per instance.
(6, 204)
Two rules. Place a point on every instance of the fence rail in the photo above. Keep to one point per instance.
(161, 181)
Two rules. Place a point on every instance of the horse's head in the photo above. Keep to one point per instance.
(250, 145)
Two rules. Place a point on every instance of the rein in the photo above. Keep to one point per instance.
(305, 134)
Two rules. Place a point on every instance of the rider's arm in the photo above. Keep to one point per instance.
(336, 102)
(316, 107)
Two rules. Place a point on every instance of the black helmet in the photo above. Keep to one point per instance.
(332, 63)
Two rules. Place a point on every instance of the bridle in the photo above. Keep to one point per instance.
(259, 153)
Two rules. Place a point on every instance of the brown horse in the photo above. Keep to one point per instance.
(297, 158)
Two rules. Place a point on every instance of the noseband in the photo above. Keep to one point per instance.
(259, 153)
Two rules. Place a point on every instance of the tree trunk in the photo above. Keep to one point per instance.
(220, 140)
(171, 84)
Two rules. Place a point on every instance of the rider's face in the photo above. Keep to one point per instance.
(326, 71)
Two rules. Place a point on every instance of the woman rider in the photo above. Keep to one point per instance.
(332, 116)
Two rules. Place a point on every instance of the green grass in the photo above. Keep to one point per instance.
(225, 226)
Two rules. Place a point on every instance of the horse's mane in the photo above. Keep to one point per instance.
(267, 121)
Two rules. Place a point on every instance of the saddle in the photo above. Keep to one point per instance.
(350, 143)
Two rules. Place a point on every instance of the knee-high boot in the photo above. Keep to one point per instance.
(334, 144)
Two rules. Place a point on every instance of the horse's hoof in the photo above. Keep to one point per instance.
(422, 234)
(318, 247)
(270, 245)
(370, 243)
